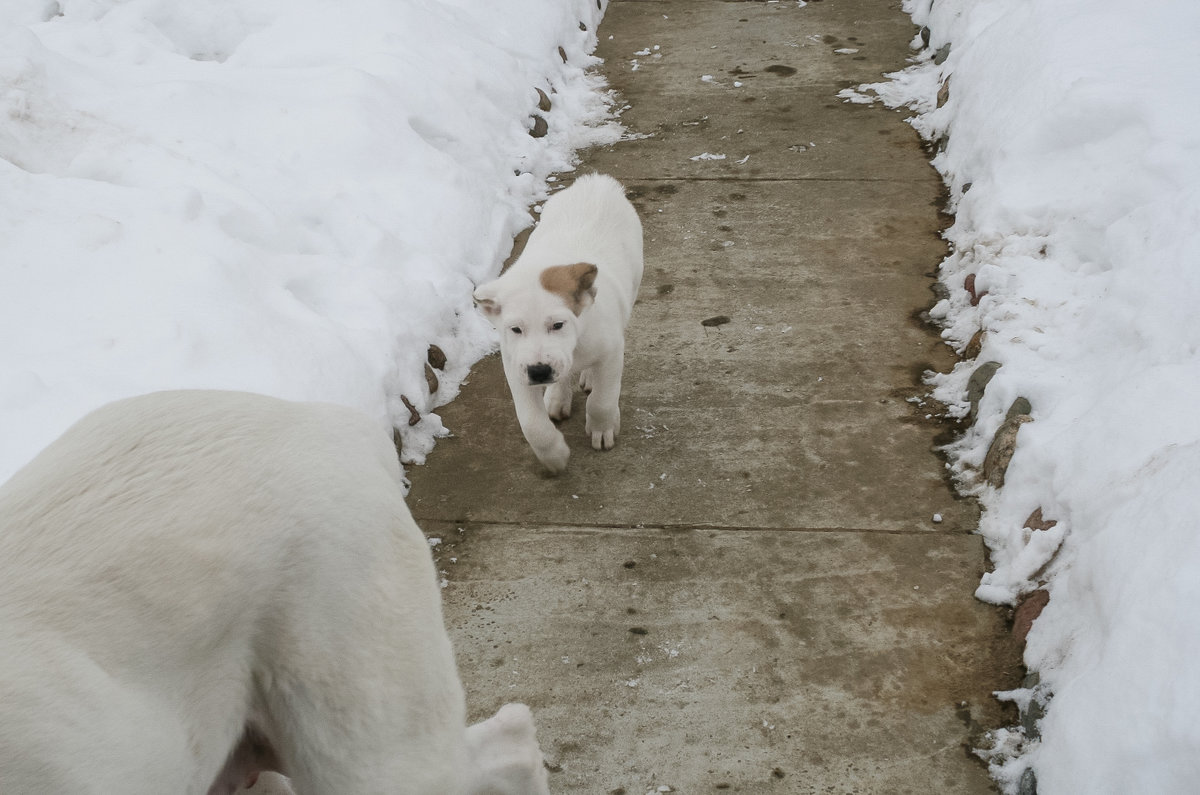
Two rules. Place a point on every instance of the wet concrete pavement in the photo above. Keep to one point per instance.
(750, 593)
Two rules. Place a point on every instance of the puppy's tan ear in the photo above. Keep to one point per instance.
(485, 299)
(576, 284)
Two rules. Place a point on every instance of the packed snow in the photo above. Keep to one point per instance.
(289, 197)
(1069, 139)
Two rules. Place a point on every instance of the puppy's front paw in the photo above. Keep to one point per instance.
(603, 427)
(555, 458)
(604, 440)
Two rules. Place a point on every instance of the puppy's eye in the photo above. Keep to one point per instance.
(557, 326)
(515, 329)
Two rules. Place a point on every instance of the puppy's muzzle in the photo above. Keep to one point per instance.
(540, 373)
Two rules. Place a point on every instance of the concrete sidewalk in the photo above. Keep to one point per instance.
(750, 593)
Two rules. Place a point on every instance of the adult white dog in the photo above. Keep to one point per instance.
(561, 311)
(195, 586)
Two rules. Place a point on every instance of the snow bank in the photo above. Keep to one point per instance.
(1071, 148)
(290, 196)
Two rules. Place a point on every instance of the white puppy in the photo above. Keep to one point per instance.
(561, 311)
(195, 586)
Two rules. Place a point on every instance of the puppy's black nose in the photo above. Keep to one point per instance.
(539, 373)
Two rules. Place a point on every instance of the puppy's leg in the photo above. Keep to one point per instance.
(546, 440)
(558, 399)
(585, 380)
(603, 410)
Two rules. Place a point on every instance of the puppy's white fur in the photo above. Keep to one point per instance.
(198, 585)
(561, 311)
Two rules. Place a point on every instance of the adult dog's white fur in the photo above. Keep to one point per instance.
(198, 585)
(561, 311)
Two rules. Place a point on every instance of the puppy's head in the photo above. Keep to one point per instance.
(539, 322)
(505, 756)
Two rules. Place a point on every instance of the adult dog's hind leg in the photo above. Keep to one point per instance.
(359, 690)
